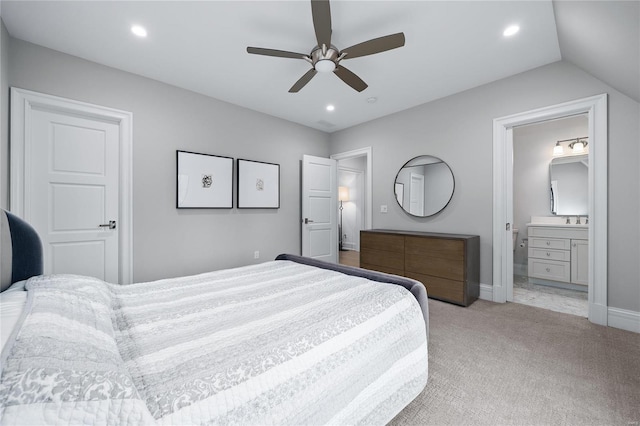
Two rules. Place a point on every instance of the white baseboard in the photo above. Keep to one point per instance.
(486, 292)
(623, 319)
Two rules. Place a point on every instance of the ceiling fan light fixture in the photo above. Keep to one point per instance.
(325, 65)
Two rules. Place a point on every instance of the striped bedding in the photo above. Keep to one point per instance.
(274, 343)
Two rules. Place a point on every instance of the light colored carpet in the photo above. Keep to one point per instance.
(511, 364)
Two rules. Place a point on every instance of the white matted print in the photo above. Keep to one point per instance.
(258, 185)
(204, 181)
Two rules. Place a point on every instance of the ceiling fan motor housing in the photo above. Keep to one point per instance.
(325, 61)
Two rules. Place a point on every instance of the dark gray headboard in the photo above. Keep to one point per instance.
(20, 250)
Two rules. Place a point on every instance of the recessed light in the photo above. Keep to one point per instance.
(139, 30)
(372, 100)
(330, 107)
(511, 30)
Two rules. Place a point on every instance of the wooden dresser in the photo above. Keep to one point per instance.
(447, 264)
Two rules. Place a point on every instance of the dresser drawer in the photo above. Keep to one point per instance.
(550, 243)
(382, 258)
(538, 253)
(380, 241)
(434, 247)
(550, 269)
(421, 263)
(385, 269)
(441, 288)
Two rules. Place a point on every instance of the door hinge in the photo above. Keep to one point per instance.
(508, 227)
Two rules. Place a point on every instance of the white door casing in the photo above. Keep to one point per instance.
(319, 208)
(71, 173)
(355, 205)
(596, 109)
(368, 185)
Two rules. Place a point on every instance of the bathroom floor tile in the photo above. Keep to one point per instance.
(555, 299)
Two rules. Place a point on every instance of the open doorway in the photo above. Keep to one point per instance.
(550, 214)
(354, 205)
(596, 109)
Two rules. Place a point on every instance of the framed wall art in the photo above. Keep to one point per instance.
(204, 181)
(258, 185)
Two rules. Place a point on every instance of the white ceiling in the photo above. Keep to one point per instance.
(450, 46)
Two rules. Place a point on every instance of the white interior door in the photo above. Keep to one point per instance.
(319, 208)
(74, 193)
(71, 178)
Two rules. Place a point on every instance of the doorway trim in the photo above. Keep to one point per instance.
(368, 201)
(23, 103)
(596, 109)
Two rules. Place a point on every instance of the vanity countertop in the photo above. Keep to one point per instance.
(560, 225)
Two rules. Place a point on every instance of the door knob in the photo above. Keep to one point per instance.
(307, 221)
(110, 225)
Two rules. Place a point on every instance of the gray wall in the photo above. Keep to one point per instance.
(4, 116)
(458, 129)
(532, 153)
(169, 242)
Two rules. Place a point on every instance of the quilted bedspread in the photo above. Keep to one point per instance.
(274, 343)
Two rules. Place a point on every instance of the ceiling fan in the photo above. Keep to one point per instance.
(325, 57)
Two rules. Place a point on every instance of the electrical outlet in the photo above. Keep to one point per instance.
(383, 208)
(256, 254)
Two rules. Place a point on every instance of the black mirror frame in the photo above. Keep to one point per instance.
(453, 190)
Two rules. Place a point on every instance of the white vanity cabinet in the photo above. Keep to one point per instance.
(580, 262)
(559, 253)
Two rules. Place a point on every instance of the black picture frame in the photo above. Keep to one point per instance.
(203, 181)
(258, 184)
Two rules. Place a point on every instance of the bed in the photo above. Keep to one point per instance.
(291, 341)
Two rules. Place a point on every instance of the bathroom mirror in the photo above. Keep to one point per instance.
(424, 186)
(569, 185)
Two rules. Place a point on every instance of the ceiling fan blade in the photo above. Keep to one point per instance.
(277, 53)
(321, 12)
(350, 78)
(376, 45)
(303, 81)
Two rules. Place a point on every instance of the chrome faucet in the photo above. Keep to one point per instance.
(578, 220)
(568, 222)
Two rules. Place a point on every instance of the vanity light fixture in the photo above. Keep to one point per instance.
(578, 146)
(558, 149)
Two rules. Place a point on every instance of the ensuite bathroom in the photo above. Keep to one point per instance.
(550, 215)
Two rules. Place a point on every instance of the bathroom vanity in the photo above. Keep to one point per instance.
(558, 253)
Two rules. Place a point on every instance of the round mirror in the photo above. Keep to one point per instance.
(424, 186)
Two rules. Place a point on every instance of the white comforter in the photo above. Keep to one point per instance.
(275, 343)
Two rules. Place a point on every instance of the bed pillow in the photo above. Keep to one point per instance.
(65, 356)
